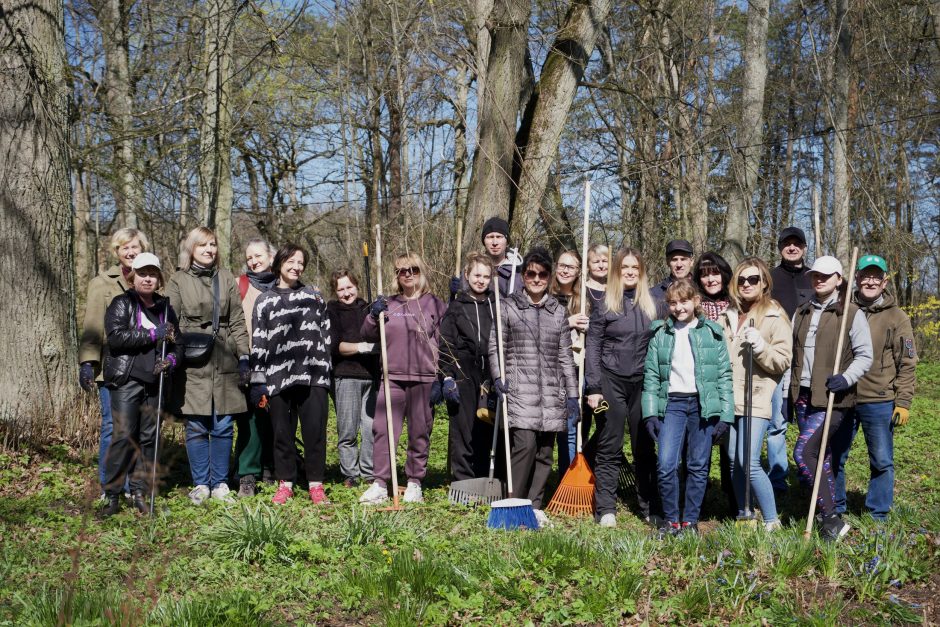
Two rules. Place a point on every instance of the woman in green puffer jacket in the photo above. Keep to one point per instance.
(687, 400)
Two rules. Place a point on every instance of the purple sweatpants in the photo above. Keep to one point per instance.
(411, 399)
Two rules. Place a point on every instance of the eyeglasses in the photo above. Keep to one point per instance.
(753, 279)
(532, 275)
(874, 280)
(569, 267)
(408, 271)
(703, 272)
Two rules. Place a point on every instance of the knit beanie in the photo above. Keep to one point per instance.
(495, 225)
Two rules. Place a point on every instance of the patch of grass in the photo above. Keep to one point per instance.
(64, 606)
(231, 608)
(250, 535)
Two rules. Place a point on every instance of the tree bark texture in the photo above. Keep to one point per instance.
(746, 159)
(215, 140)
(39, 347)
(841, 181)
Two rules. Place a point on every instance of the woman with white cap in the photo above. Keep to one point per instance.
(816, 326)
(138, 324)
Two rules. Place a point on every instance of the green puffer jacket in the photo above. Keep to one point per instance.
(712, 370)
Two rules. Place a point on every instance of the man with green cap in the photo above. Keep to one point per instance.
(884, 394)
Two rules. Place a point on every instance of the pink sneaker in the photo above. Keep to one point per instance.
(283, 493)
(318, 496)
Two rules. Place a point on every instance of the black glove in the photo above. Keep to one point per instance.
(437, 393)
(653, 425)
(719, 430)
(454, 286)
(450, 391)
(256, 394)
(501, 387)
(164, 365)
(86, 377)
(573, 407)
(378, 307)
(244, 372)
(836, 383)
(162, 331)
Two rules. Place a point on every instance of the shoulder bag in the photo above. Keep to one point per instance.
(197, 347)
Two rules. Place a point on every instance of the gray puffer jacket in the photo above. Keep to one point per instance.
(540, 369)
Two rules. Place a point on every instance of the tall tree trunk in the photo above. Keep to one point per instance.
(562, 71)
(86, 266)
(39, 347)
(841, 183)
(215, 140)
(746, 160)
(496, 123)
(114, 20)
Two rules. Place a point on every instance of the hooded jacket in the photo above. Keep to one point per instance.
(540, 370)
(412, 336)
(465, 337)
(892, 374)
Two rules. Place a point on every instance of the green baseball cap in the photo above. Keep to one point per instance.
(872, 260)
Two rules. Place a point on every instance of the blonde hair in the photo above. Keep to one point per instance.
(614, 296)
(197, 237)
(477, 259)
(764, 301)
(574, 301)
(127, 235)
(413, 259)
(684, 289)
(599, 250)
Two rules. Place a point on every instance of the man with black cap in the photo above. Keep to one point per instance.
(679, 258)
(791, 288)
(495, 239)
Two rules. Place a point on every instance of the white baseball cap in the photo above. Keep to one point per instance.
(144, 260)
(823, 265)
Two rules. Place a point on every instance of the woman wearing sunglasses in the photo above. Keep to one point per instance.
(412, 334)
(617, 339)
(754, 321)
(540, 385)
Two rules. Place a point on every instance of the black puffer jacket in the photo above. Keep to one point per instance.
(128, 339)
(465, 336)
(617, 342)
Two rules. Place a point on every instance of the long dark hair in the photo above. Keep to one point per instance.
(712, 260)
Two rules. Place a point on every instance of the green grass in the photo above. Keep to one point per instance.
(434, 564)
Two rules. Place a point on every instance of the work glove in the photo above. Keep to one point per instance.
(161, 332)
(454, 286)
(256, 395)
(165, 365)
(437, 393)
(900, 416)
(653, 426)
(501, 387)
(573, 407)
(719, 430)
(86, 376)
(836, 383)
(377, 308)
(244, 372)
(365, 348)
(753, 337)
(451, 393)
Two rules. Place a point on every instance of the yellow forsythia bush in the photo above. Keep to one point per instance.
(925, 318)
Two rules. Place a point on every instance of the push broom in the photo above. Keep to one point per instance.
(837, 365)
(575, 493)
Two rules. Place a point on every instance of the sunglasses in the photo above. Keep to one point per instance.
(753, 279)
(532, 275)
(408, 271)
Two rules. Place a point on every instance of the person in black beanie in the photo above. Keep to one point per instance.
(495, 238)
(679, 255)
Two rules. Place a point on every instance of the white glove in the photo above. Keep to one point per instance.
(365, 347)
(753, 337)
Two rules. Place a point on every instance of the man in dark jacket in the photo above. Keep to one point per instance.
(884, 394)
(679, 255)
(791, 288)
(506, 261)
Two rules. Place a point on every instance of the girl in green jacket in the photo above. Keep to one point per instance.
(687, 400)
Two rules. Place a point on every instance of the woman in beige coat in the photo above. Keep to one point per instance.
(208, 395)
(755, 319)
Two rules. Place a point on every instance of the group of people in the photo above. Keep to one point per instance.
(711, 355)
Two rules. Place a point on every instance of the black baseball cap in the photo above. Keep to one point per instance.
(679, 246)
(791, 231)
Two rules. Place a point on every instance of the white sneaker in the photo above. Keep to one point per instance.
(609, 521)
(542, 518)
(772, 526)
(222, 493)
(413, 493)
(199, 494)
(377, 493)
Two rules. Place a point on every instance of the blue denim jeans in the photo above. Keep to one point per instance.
(875, 421)
(761, 489)
(209, 447)
(684, 428)
(777, 441)
(107, 429)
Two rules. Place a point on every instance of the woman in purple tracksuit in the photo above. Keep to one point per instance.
(413, 318)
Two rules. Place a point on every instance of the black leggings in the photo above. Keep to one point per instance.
(134, 411)
(311, 406)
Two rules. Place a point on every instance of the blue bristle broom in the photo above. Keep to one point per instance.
(512, 514)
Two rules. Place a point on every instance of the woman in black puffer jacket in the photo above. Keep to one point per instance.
(137, 324)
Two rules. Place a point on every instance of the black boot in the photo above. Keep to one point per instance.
(141, 503)
(112, 506)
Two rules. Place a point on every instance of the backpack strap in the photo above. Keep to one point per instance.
(243, 285)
